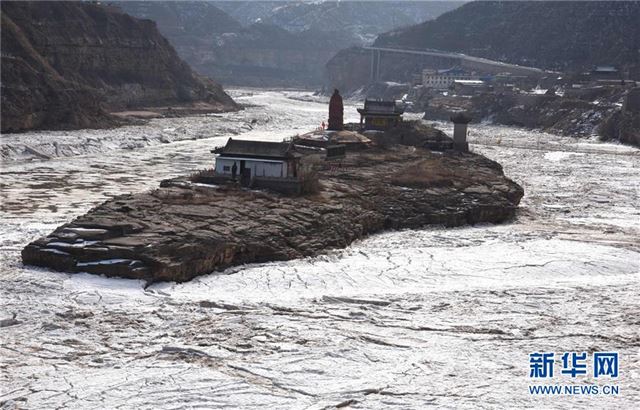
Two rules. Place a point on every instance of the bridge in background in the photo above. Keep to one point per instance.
(484, 65)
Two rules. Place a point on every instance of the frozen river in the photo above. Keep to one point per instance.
(412, 319)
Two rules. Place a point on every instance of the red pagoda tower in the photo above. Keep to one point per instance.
(336, 112)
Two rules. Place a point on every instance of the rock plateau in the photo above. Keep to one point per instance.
(181, 231)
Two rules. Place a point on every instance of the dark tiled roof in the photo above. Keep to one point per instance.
(258, 149)
(380, 107)
(605, 69)
(461, 118)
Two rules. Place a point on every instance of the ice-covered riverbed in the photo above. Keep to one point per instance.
(436, 317)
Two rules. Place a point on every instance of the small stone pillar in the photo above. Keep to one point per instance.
(460, 121)
(632, 101)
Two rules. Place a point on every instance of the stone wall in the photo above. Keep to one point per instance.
(287, 186)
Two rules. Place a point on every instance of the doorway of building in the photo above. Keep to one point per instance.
(245, 174)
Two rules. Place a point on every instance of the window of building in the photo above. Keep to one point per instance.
(226, 168)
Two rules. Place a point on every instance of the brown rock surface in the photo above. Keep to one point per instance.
(570, 116)
(177, 233)
(624, 125)
(68, 64)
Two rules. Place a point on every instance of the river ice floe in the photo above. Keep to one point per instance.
(433, 317)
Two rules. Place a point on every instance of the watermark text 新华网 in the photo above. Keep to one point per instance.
(602, 366)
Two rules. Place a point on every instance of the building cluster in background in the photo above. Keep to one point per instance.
(459, 81)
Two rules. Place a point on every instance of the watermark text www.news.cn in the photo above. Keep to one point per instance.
(602, 367)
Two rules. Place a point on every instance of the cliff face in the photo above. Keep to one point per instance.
(259, 54)
(624, 125)
(64, 64)
(262, 43)
(349, 69)
(193, 28)
(572, 35)
(551, 113)
(34, 95)
(267, 55)
(596, 113)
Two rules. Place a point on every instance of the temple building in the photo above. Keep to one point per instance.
(257, 159)
(606, 73)
(380, 115)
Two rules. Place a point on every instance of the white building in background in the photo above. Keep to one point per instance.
(443, 79)
(469, 87)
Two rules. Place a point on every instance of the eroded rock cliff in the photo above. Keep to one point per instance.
(624, 125)
(596, 112)
(258, 54)
(265, 43)
(67, 64)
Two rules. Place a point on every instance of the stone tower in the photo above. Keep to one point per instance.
(336, 112)
(460, 121)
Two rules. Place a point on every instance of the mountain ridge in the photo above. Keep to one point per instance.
(556, 35)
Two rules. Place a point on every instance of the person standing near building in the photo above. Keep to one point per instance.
(234, 171)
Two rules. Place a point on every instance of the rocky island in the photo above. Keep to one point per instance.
(186, 229)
